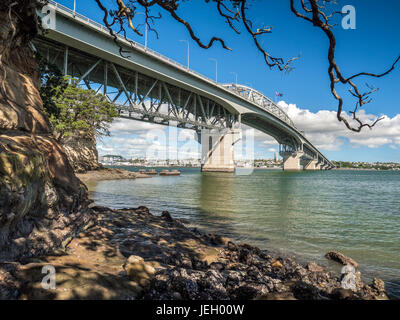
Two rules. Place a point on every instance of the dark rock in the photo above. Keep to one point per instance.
(198, 264)
(254, 274)
(9, 286)
(341, 258)
(232, 246)
(265, 256)
(343, 294)
(250, 291)
(215, 239)
(188, 284)
(179, 259)
(218, 266)
(233, 278)
(166, 216)
(185, 282)
(177, 296)
(305, 291)
(214, 285)
(245, 256)
(143, 210)
(252, 249)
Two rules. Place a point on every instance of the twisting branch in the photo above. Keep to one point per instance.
(234, 12)
(315, 15)
(270, 60)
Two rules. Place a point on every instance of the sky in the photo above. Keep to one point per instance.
(371, 47)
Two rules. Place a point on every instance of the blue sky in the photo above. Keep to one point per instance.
(372, 47)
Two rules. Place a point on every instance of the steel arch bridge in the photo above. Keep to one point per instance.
(146, 86)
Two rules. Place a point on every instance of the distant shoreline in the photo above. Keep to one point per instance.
(110, 174)
(255, 168)
(363, 169)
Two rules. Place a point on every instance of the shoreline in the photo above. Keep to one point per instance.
(117, 167)
(328, 265)
(109, 174)
(133, 254)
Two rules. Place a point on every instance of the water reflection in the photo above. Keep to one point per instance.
(306, 213)
(216, 193)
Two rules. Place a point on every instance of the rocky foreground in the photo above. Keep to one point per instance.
(132, 254)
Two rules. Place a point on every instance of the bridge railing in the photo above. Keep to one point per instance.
(261, 100)
(120, 37)
(275, 110)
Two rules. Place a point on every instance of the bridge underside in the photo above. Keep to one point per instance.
(295, 154)
(138, 96)
(135, 95)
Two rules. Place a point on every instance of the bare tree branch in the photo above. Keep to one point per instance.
(315, 15)
(235, 12)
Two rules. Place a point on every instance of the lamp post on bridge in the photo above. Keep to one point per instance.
(145, 33)
(216, 68)
(74, 8)
(236, 77)
(187, 42)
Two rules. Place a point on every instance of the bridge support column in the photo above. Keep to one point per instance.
(311, 165)
(318, 166)
(291, 161)
(217, 150)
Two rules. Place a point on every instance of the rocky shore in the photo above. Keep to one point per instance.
(133, 254)
(109, 174)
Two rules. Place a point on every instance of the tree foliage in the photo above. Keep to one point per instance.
(82, 112)
(53, 85)
(71, 109)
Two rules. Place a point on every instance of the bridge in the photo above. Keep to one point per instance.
(147, 86)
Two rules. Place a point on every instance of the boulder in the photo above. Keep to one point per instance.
(313, 267)
(138, 270)
(81, 152)
(343, 294)
(341, 258)
(378, 285)
(167, 216)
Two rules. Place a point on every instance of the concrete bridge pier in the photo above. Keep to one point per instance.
(291, 160)
(311, 164)
(318, 166)
(325, 166)
(217, 150)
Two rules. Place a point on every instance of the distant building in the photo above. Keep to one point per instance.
(111, 158)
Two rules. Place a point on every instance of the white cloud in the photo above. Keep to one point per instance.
(127, 126)
(133, 138)
(324, 130)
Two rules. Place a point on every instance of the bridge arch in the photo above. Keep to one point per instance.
(84, 49)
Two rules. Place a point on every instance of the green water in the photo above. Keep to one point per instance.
(303, 214)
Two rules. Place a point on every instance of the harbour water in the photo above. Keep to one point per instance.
(304, 214)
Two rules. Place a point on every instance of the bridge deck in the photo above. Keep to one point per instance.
(158, 80)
